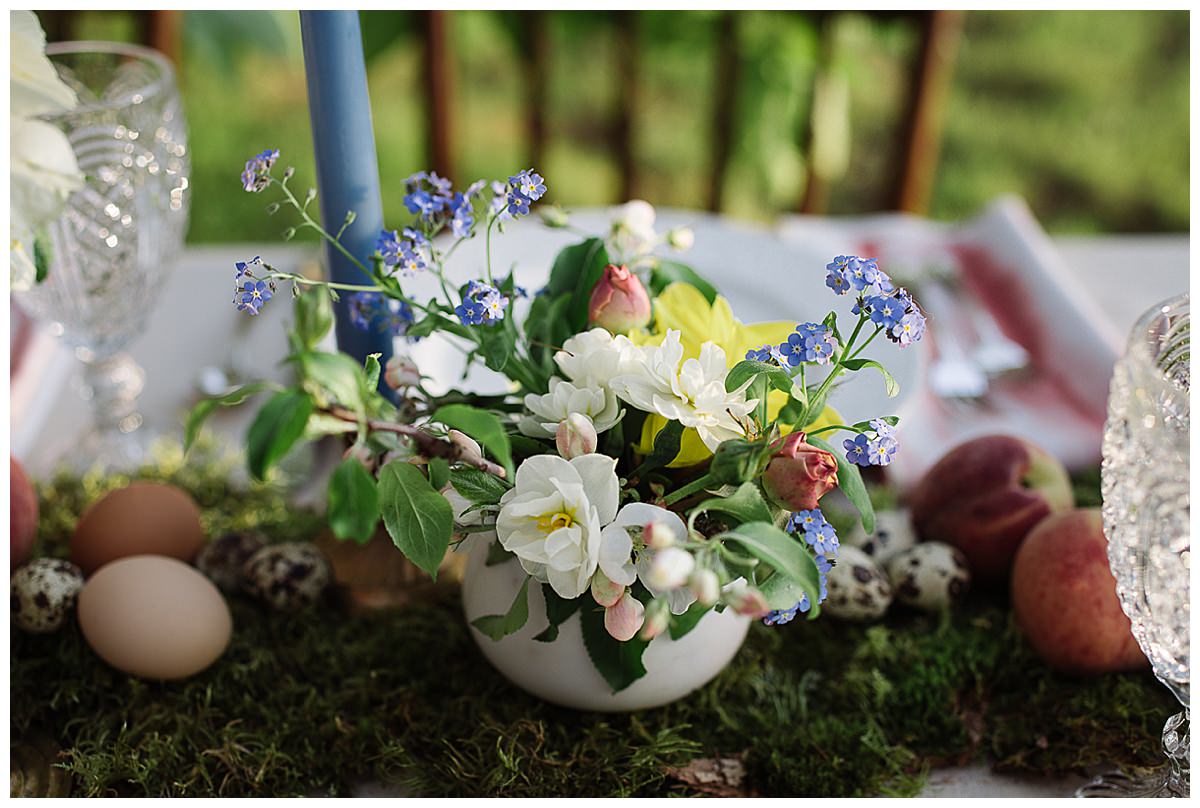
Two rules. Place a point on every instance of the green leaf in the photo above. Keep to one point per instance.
(439, 473)
(498, 626)
(889, 383)
(781, 592)
(371, 370)
(558, 609)
(620, 663)
(666, 273)
(681, 624)
(481, 425)
(314, 316)
(477, 486)
(666, 447)
(749, 368)
(865, 426)
(41, 259)
(745, 505)
(353, 502)
(495, 348)
(205, 408)
(780, 552)
(418, 518)
(276, 428)
(851, 483)
(338, 375)
(737, 460)
(319, 425)
(576, 270)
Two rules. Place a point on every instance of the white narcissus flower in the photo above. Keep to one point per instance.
(632, 232)
(624, 556)
(592, 358)
(547, 411)
(43, 170)
(552, 517)
(693, 394)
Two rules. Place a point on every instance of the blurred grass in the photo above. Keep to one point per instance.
(1085, 114)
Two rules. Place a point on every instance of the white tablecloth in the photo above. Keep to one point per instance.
(193, 327)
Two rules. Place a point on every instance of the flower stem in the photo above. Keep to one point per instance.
(690, 488)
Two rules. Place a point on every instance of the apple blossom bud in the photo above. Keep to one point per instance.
(748, 602)
(619, 301)
(670, 568)
(401, 372)
(468, 448)
(604, 591)
(553, 216)
(575, 436)
(706, 586)
(658, 617)
(799, 474)
(658, 536)
(623, 619)
(681, 238)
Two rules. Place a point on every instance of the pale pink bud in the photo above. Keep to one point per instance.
(575, 436)
(401, 372)
(604, 591)
(658, 617)
(658, 536)
(619, 301)
(706, 586)
(670, 568)
(748, 602)
(623, 620)
(468, 446)
(799, 474)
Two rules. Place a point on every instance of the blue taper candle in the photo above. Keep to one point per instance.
(347, 167)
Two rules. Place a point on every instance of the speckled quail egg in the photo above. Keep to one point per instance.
(223, 559)
(44, 593)
(931, 576)
(893, 534)
(858, 587)
(287, 577)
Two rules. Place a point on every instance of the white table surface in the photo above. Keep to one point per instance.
(193, 326)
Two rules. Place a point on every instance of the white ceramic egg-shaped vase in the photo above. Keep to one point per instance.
(561, 671)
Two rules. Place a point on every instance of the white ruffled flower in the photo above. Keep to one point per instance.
(43, 170)
(552, 518)
(592, 358)
(547, 411)
(632, 234)
(693, 394)
(624, 556)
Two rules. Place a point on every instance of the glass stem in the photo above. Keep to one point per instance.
(112, 385)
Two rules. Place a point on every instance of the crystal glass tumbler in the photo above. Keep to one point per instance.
(1145, 478)
(110, 250)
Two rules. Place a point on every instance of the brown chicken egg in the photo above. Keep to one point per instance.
(154, 617)
(144, 518)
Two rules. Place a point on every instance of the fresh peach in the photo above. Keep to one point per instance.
(1065, 597)
(23, 514)
(985, 496)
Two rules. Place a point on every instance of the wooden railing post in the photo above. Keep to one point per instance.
(727, 76)
(627, 72)
(439, 81)
(940, 36)
(537, 68)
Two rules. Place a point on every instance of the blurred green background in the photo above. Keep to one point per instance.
(1084, 114)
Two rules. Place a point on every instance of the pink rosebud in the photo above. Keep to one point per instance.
(799, 474)
(623, 619)
(658, 617)
(575, 436)
(619, 301)
(604, 591)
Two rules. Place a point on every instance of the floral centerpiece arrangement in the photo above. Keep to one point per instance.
(657, 459)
